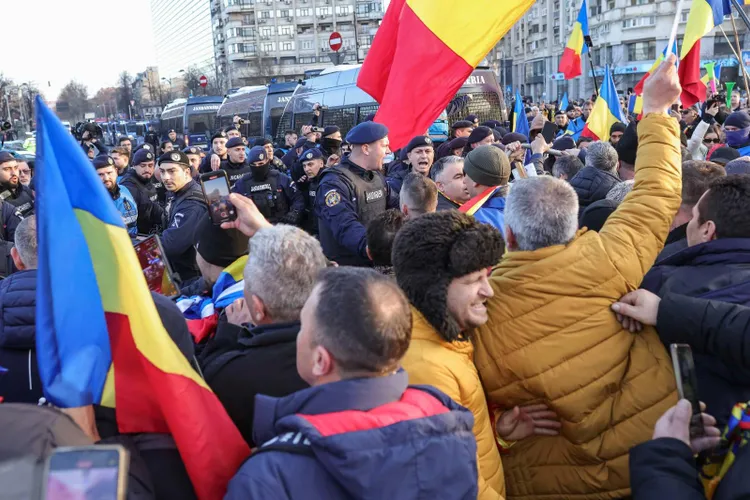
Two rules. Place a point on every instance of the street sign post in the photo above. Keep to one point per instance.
(335, 41)
(203, 81)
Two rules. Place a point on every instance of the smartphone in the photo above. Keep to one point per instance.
(156, 267)
(215, 187)
(549, 131)
(687, 383)
(318, 129)
(96, 472)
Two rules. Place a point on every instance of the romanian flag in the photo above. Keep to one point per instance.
(570, 62)
(607, 110)
(520, 122)
(424, 51)
(704, 16)
(474, 204)
(638, 89)
(99, 337)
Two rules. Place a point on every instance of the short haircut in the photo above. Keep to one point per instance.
(123, 139)
(121, 150)
(26, 243)
(289, 132)
(603, 156)
(164, 143)
(542, 212)
(381, 232)
(727, 204)
(374, 332)
(441, 164)
(620, 190)
(419, 193)
(282, 266)
(568, 165)
(696, 178)
(583, 139)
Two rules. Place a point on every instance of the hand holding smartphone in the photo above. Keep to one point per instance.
(215, 187)
(687, 384)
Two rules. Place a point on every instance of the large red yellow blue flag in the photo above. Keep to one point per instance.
(570, 62)
(424, 51)
(704, 16)
(607, 110)
(99, 337)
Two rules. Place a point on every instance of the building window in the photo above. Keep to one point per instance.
(721, 47)
(611, 4)
(639, 22)
(307, 45)
(266, 14)
(287, 46)
(248, 19)
(285, 30)
(284, 13)
(642, 51)
(265, 33)
(595, 10)
(344, 10)
(369, 7)
(323, 11)
(304, 12)
(267, 47)
(640, 2)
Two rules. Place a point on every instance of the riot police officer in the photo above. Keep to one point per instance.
(312, 164)
(194, 155)
(123, 200)
(420, 154)
(11, 189)
(218, 152)
(185, 209)
(142, 185)
(351, 194)
(236, 164)
(274, 162)
(177, 143)
(273, 192)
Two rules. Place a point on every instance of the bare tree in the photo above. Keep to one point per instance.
(106, 100)
(258, 72)
(192, 77)
(124, 91)
(5, 84)
(154, 88)
(73, 101)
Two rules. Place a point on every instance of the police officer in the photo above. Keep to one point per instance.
(419, 157)
(218, 152)
(331, 141)
(236, 164)
(141, 183)
(176, 143)
(185, 209)
(232, 131)
(312, 163)
(11, 189)
(276, 163)
(351, 194)
(194, 156)
(273, 192)
(123, 200)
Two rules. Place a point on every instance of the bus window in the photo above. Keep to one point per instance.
(366, 110)
(255, 124)
(334, 98)
(140, 130)
(486, 105)
(178, 126)
(342, 117)
(301, 119)
(285, 123)
(200, 123)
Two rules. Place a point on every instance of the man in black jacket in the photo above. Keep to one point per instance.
(10, 217)
(11, 189)
(593, 182)
(236, 164)
(141, 183)
(263, 357)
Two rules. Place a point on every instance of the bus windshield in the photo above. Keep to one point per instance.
(200, 123)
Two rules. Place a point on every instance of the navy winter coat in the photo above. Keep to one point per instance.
(592, 184)
(368, 438)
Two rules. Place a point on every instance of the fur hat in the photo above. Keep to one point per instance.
(432, 250)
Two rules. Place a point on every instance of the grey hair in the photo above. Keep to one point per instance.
(419, 193)
(620, 190)
(603, 156)
(541, 212)
(440, 165)
(26, 243)
(282, 266)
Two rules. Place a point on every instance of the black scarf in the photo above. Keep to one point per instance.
(260, 173)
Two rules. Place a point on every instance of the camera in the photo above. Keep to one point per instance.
(241, 121)
(6, 125)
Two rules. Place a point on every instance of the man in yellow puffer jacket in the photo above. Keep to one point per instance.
(551, 336)
(441, 261)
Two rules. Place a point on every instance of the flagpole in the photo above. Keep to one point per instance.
(739, 59)
(739, 53)
(673, 34)
(742, 14)
(590, 44)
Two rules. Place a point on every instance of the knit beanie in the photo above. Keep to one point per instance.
(487, 165)
(457, 245)
(722, 154)
(739, 119)
(739, 166)
(628, 144)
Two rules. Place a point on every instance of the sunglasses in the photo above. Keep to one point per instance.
(711, 141)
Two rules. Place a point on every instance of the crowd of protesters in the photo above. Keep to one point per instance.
(485, 318)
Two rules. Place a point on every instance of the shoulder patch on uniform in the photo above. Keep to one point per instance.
(332, 198)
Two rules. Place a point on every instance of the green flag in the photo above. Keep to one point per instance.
(730, 86)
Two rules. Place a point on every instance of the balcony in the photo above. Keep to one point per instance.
(369, 14)
(240, 6)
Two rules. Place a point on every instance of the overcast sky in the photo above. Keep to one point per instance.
(89, 41)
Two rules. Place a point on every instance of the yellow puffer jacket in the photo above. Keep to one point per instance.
(449, 366)
(552, 338)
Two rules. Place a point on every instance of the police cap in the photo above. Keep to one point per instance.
(192, 150)
(331, 129)
(219, 135)
(300, 142)
(103, 161)
(366, 133)
(170, 131)
(174, 157)
(234, 142)
(147, 146)
(258, 153)
(6, 157)
(418, 142)
(262, 141)
(472, 118)
(462, 124)
(142, 156)
(230, 128)
(311, 154)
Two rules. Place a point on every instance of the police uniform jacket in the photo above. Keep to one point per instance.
(205, 165)
(20, 197)
(235, 171)
(150, 212)
(184, 210)
(347, 199)
(127, 207)
(275, 195)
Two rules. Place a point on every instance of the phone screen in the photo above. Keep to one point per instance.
(83, 474)
(687, 383)
(549, 131)
(155, 268)
(216, 191)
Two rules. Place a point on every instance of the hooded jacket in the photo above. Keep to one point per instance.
(449, 366)
(368, 438)
(551, 337)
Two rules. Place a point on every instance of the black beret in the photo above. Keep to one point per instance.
(311, 154)
(142, 155)
(366, 133)
(230, 128)
(472, 118)
(564, 143)
(103, 161)
(628, 144)
(479, 134)
(331, 129)
(234, 142)
(170, 130)
(218, 135)
(6, 157)
(418, 142)
(192, 150)
(262, 141)
(369, 118)
(174, 157)
(559, 112)
(514, 137)
(462, 124)
(300, 142)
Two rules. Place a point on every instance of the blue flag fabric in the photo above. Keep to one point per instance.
(563, 102)
(520, 122)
